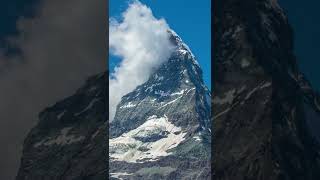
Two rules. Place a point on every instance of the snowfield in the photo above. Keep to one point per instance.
(149, 141)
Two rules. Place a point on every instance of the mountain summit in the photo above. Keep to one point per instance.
(162, 129)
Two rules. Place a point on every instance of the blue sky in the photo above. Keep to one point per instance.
(190, 19)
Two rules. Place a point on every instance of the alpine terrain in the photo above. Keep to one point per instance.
(69, 140)
(162, 129)
(266, 115)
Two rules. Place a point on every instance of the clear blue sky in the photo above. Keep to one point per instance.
(190, 19)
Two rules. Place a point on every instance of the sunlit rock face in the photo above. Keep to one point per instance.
(162, 129)
(265, 112)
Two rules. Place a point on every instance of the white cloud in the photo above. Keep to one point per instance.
(143, 44)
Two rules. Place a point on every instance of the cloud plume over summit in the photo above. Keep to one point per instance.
(142, 42)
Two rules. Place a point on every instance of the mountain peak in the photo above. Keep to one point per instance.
(169, 111)
(181, 47)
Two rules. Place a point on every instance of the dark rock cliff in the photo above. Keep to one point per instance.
(69, 141)
(265, 113)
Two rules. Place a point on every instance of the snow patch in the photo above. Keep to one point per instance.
(160, 78)
(251, 92)
(118, 174)
(170, 102)
(178, 93)
(62, 139)
(92, 102)
(265, 85)
(129, 105)
(259, 87)
(197, 138)
(95, 134)
(244, 87)
(225, 111)
(59, 116)
(190, 90)
(127, 148)
(182, 51)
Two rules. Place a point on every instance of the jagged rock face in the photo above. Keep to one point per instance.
(69, 140)
(265, 112)
(162, 129)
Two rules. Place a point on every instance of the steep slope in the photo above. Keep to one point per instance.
(69, 140)
(265, 113)
(162, 129)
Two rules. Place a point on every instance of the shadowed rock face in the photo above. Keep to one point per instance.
(69, 141)
(265, 113)
(162, 129)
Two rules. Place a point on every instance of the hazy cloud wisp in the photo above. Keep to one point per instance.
(60, 47)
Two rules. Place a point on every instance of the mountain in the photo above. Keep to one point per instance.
(266, 115)
(69, 140)
(162, 129)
